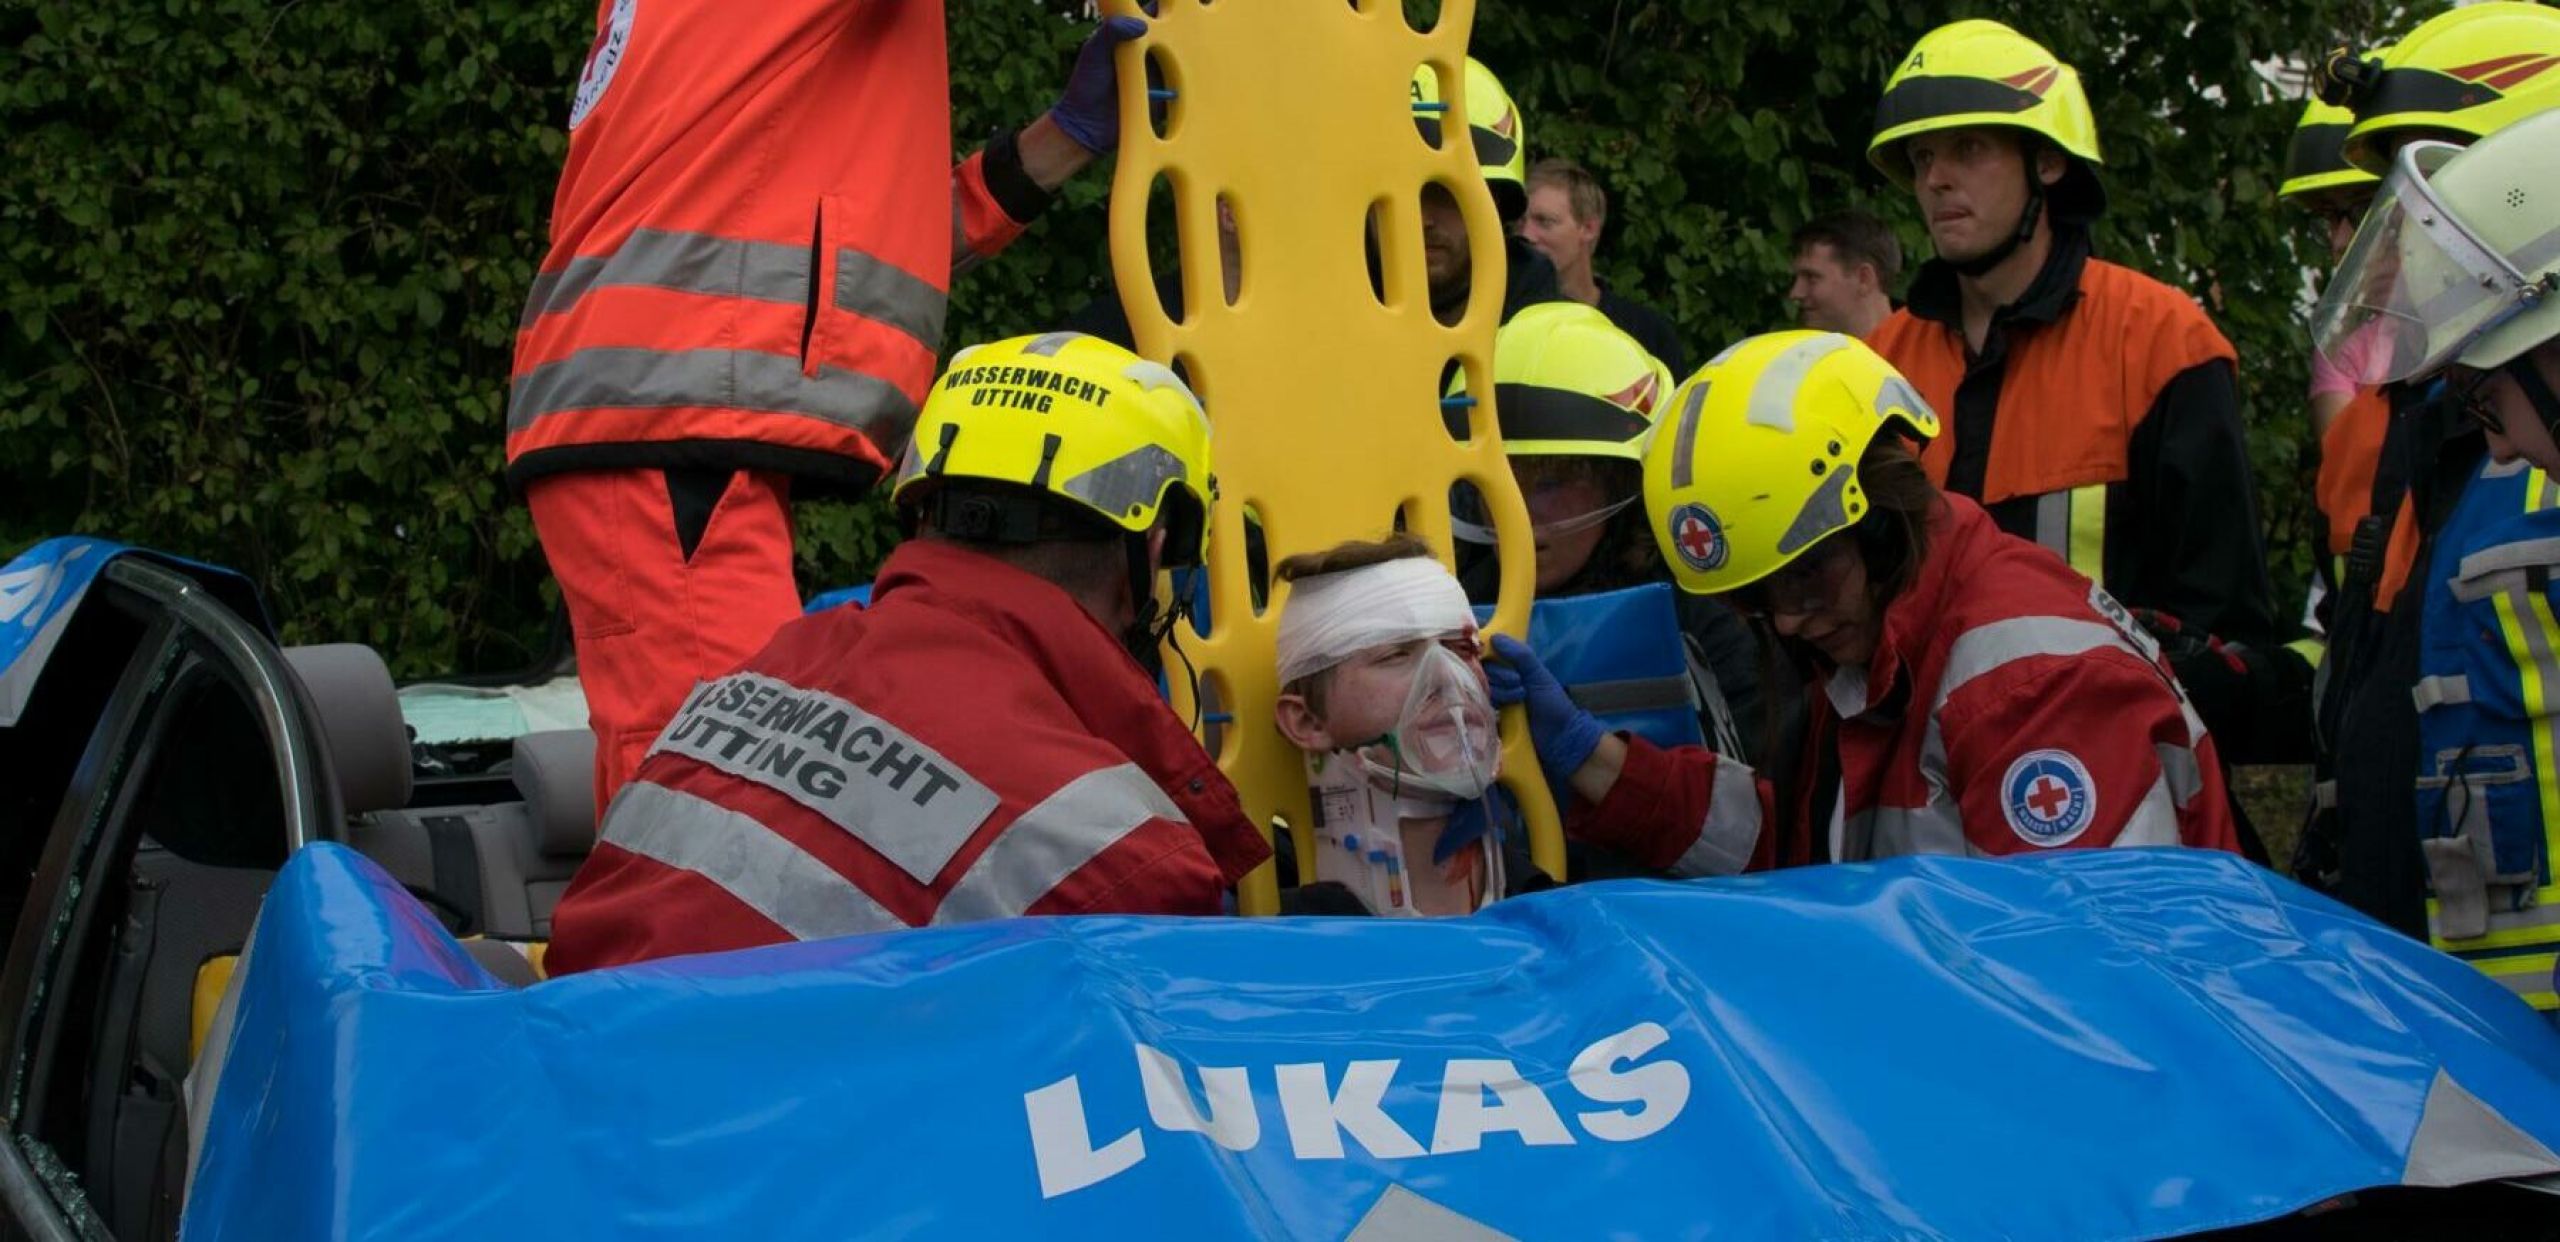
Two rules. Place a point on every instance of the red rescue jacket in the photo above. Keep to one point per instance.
(2010, 707)
(752, 241)
(973, 746)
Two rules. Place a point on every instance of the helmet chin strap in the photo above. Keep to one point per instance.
(1980, 265)
(1153, 624)
(1145, 636)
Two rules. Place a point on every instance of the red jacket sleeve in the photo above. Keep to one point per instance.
(1160, 867)
(980, 225)
(1688, 811)
(2086, 752)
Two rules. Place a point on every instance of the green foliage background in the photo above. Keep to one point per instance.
(264, 259)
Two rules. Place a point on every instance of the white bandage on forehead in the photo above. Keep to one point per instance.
(1332, 617)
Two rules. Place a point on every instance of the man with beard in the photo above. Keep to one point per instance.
(986, 739)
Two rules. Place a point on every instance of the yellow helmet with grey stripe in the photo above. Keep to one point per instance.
(1756, 458)
(1071, 425)
(1569, 383)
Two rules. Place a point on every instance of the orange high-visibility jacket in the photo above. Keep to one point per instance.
(2102, 421)
(752, 241)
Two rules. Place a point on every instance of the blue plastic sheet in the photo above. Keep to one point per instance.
(859, 594)
(1624, 638)
(2097, 1045)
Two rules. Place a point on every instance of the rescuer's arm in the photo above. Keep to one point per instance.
(2203, 562)
(1000, 190)
(2199, 551)
(1688, 811)
(2079, 751)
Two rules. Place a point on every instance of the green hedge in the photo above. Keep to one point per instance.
(264, 260)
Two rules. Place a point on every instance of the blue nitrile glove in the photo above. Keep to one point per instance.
(1089, 111)
(1563, 733)
(1467, 822)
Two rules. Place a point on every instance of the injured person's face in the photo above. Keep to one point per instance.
(1384, 688)
(1418, 712)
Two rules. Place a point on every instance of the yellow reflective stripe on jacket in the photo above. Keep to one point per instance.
(2089, 532)
(2527, 975)
(2532, 634)
(2073, 524)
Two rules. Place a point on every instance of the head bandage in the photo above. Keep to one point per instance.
(1332, 617)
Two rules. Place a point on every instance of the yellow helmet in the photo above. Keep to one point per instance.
(2317, 160)
(2463, 74)
(1072, 416)
(1759, 460)
(1980, 72)
(1569, 383)
(1501, 141)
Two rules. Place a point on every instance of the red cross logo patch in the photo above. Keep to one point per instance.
(1698, 538)
(2048, 798)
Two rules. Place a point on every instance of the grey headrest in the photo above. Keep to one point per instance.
(359, 710)
(556, 773)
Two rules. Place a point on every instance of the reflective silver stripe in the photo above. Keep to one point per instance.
(2449, 690)
(2053, 523)
(1047, 345)
(1684, 442)
(1724, 841)
(1824, 512)
(2510, 920)
(1893, 831)
(877, 782)
(2522, 554)
(1635, 694)
(2537, 642)
(745, 859)
(1773, 395)
(886, 293)
(1051, 841)
(2155, 819)
(1126, 486)
(685, 262)
(2183, 771)
(1896, 395)
(1984, 648)
(716, 378)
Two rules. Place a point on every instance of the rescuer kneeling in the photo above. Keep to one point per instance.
(1972, 694)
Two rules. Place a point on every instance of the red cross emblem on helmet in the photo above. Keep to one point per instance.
(1699, 538)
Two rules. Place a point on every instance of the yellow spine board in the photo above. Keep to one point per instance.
(1323, 398)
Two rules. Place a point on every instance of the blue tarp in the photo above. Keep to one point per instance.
(1623, 638)
(2095, 1045)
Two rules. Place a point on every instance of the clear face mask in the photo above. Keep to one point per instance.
(1444, 744)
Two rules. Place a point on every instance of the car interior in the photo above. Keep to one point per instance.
(173, 817)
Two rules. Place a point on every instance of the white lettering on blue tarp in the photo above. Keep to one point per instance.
(1319, 1107)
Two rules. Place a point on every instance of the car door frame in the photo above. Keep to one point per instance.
(184, 626)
